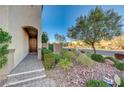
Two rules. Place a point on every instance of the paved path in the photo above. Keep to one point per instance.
(30, 62)
(46, 82)
(29, 73)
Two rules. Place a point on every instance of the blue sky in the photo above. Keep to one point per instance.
(57, 18)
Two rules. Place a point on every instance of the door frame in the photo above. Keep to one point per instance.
(32, 33)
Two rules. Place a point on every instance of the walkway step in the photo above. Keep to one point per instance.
(44, 82)
(24, 81)
(14, 79)
(27, 72)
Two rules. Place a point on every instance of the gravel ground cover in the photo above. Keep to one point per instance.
(79, 74)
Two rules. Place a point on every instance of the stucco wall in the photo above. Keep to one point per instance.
(20, 16)
(13, 18)
(4, 17)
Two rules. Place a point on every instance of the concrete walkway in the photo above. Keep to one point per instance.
(29, 73)
(30, 62)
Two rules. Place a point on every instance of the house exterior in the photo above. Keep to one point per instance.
(24, 25)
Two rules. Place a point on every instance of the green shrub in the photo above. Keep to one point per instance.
(88, 54)
(85, 60)
(110, 58)
(65, 64)
(51, 47)
(119, 65)
(64, 53)
(76, 52)
(49, 61)
(69, 55)
(5, 40)
(57, 58)
(97, 57)
(45, 51)
(3, 61)
(96, 83)
(122, 82)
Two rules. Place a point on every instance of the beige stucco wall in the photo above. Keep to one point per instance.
(13, 18)
(4, 17)
(20, 16)
(9, 66)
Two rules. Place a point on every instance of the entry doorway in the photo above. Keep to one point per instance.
(32, 34)
(33, 45)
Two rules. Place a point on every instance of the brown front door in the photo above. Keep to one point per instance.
(33, 44)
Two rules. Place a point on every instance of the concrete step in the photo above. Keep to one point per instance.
(23, 82)
(23, 77)
(43, 82)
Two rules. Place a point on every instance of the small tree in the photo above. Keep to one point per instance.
(60, 38)
(97, 25)
(45, 37)
(5, 39)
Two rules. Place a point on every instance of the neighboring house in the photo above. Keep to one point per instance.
(24, 25)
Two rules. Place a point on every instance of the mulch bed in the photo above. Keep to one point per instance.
(79, 74)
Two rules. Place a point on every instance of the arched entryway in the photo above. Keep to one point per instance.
(33, 38)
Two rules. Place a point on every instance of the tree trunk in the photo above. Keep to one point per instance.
(94, 49)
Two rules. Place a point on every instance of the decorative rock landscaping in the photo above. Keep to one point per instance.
(75, 69)
(78, 75)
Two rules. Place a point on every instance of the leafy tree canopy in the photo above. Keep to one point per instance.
(97, 25)
(45, 37)
(60, 38)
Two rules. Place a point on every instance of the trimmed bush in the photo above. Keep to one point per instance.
(119, 65)
(45, 51)
(85, 60)
(97, 57)
(65, 64)
(64, 53)
(71, 56)
(96, 83)
(49, 61)
(68, 55)
(57, 58)
(122, 82)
